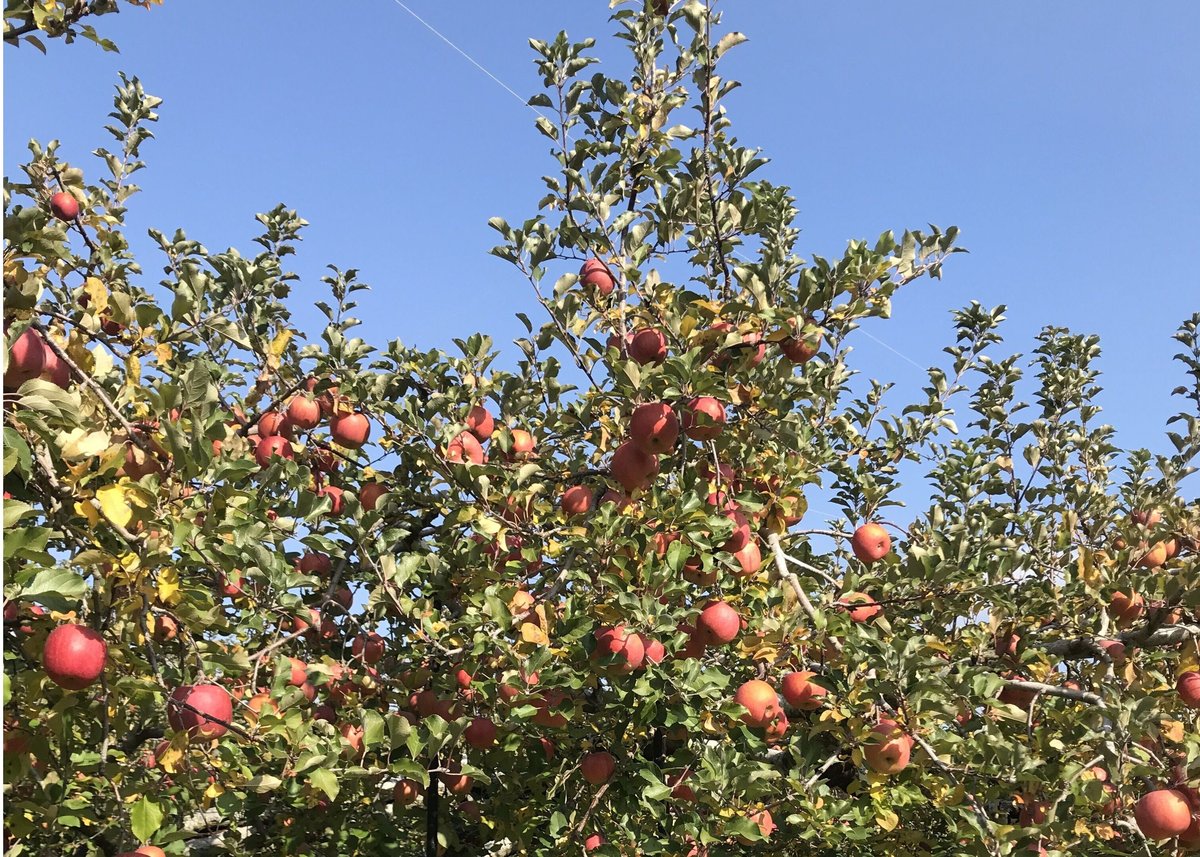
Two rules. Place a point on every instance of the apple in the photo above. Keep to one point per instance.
(455, 782)
(740, 356)
(598, 767)
(890, 748)
(1145, 518)
(1006, 644)
(350, 430)
(271, 447)
(54, 370)
(766, 825)
(315, 563)
(165, 628)
(593, 842)
(718, 624)
(64, 206)
(369, 494)
(481, 733)
(654, 428)
(547, 705)
(26, 358)
(1162, 814)
(655, 651)
(336, 500)
(274, 423)
(465, 448)
(353, 736)
(406, 793)
(680, 790)
(369, 647)
(741, 532)
(648, 346)
(480, 423)
(74, 656)
(870, 543)
(760, 701)
(801, 691)
(304, 412)
(1153, 556)
(703, 418)
(749, 557)
(595, 275)
(632, 467)
(207, 714)
(1126, 608)
(257, 703)
(576, 500)
(1188, 688)
(866, 610)
(618, 641)
(800, 347)
(522, 444)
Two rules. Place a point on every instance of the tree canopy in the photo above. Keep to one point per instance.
(267, 592)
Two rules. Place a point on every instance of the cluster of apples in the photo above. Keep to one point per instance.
(480, 426)
(31, 357)
(349, 429)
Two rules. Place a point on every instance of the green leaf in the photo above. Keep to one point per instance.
(144, 819)
(372, 728)
(263, 783)
(55, 588)
(325, 780)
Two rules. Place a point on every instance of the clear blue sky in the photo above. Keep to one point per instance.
(1062, 138)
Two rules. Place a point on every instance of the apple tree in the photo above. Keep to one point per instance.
(273, 593)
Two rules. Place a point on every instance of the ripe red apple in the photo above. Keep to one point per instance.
(369, 494)
(593, 842)
(74, 656)
(406, 793)
(208, 711)
(760, 701)
(654, 428)
(801, 691)
(1162, 813)
(799, 347)
(481, 733)
(860, 606)
(595, 275)
(870, 543)
(353, 736)
(889, 749)
(1006, 644)
(655, 651)
(480, 423)
(648, 346)
(522, 444)
(465, 447)
(316, 563)
(455, 782)
(632, 467)
(576, 500)
(26, 359)
(766, 825)
(274, 423)
(337, 502)
(1126, 608)
(680, 790)
(741, 532)
(749, 557)
(298, 672)
(740, 356)
(55, 371)
(703, 418)
(369, 647)
(350, 430)
(622, 643)
(1188, 688)
(271, 447)
(598, 767)
(304, 412)
(64, 206)
(718, 624)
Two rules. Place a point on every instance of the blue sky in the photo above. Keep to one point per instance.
(1061, 138)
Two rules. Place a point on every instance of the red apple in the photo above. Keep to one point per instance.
(1126, 608)
(1188, 688)
(369, 647)
(64, 206)
(598, 767)
(1162, 814)
(480, 423)
(26, 358)
(632, 467)
(465, 448)
(481, 733)
(315, 563)
(350, 430)
(654, 428)
(870, 543)
(272, 447)
(336, 500)
(369, 494)
(718, 624)
(801, 691)
(860, 606)
(406, 793)
(623, 644)
(203, 711)
(576, 500)
(890, 748)
(703, 418)
(595, 275)
(760, 701)
(304, 412)
(74, 656)
(800, 347)
(648, 346)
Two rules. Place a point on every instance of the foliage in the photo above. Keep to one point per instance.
(138, 508)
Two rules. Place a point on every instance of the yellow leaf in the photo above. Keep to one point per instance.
(87, 511)
(280, 343)
(97, 294)
(887, 819)
(214, 790)
(114, 505)
(532, 633)
(168, 586)
(101, 360)
(1173, 730)
(170, 758)
(133, 372)
(1189, 661)
(162, 353)
(80, 443)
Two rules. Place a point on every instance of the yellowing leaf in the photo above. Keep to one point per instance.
(168, 586)
(81, 443)
(97, 294)
(887, 819)
(1172, 730)
(278, 345)
(89, 512)
(114, 504)
(100, 359)
(213, 791)
(162, 353)
(532, 633)
(170, 758)
(133, 372)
